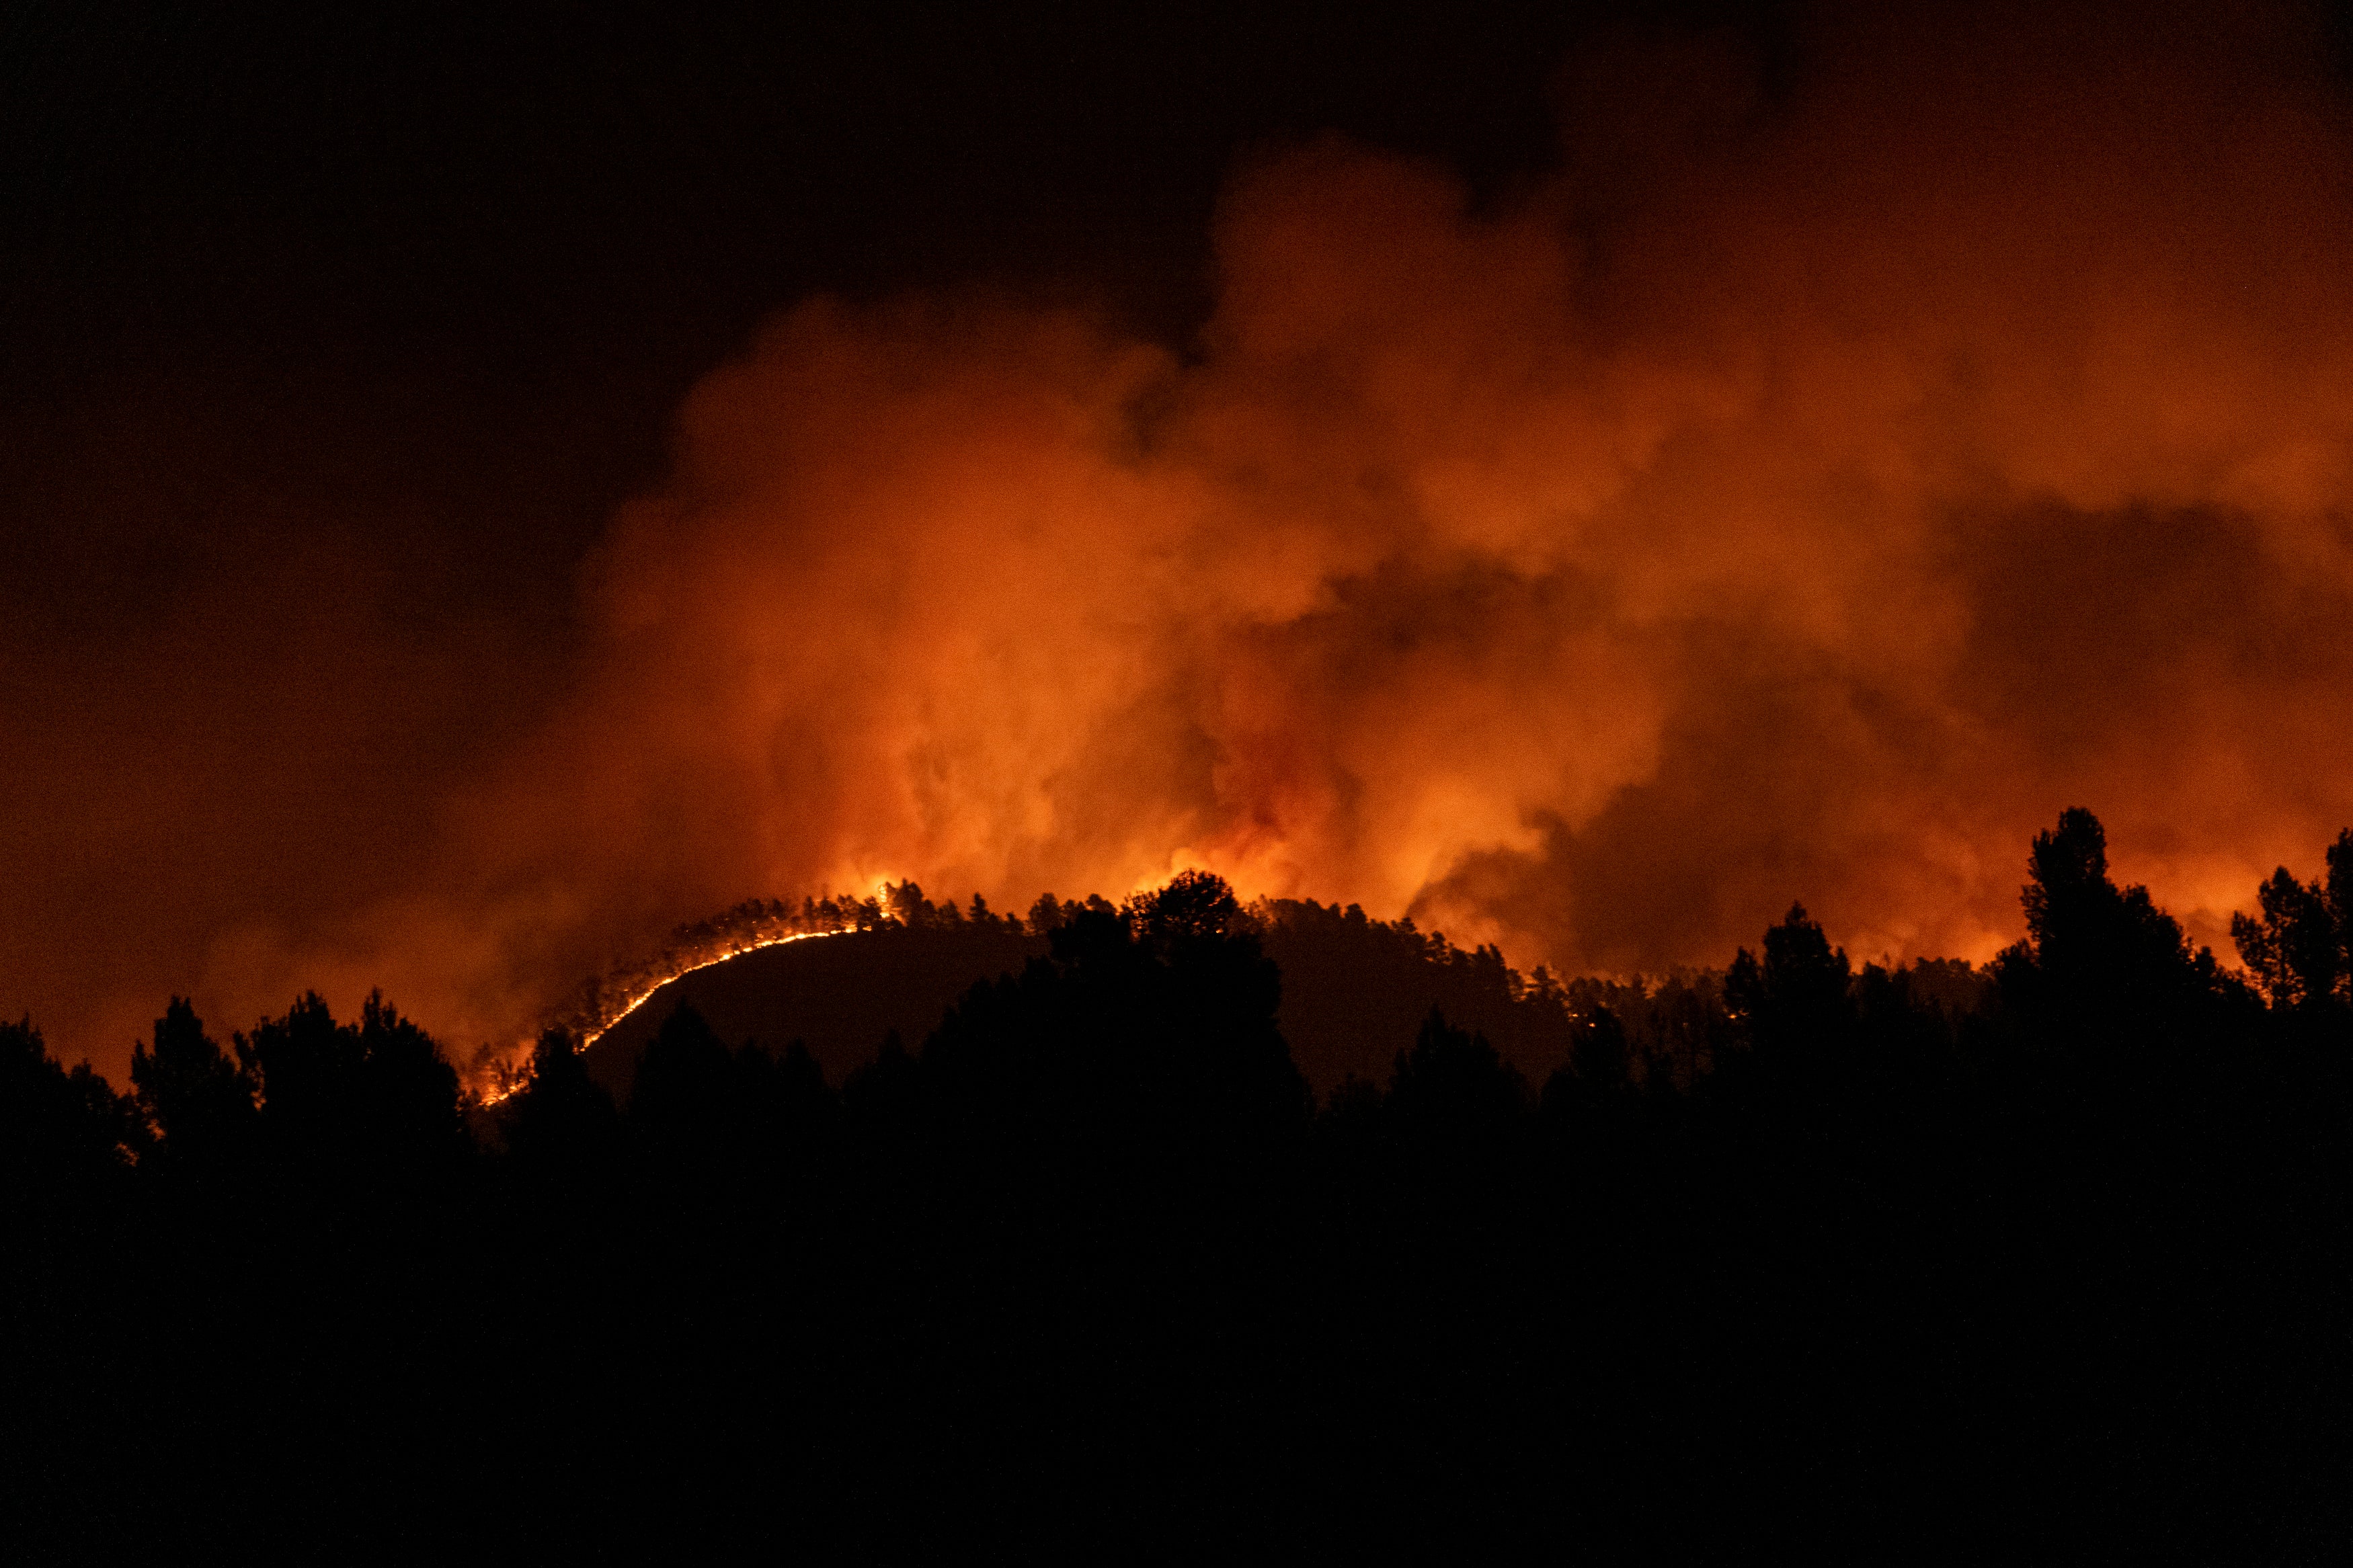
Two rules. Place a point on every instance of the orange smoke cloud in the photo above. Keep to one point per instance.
(1805, 494)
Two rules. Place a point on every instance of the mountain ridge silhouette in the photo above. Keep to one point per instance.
(1355, 990)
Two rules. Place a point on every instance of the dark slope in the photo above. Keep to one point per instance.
(837, 995)
(1354, 994)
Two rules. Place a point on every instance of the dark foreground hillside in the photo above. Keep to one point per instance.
(2051, 1267)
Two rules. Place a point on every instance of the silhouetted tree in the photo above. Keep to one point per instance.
(372, 1100)
(1451, 1087)
(1193, 907)
(1600, 1059)
(881, 1094)
(2293, 948)
(2338, 888)
(1151, 1033)
(1908, 1020)
(684, 1109)
(785, 1112)
(59, 1129)
(560, 1120)
(2299, 946)
(807, 1109)
(191, 1093)
(2105, 987)
(1795, 1005)
(409, 1091)
(304, 1070)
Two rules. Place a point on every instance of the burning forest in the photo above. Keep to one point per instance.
(1637, 712)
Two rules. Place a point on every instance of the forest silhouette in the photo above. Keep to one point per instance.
(2046, 1260)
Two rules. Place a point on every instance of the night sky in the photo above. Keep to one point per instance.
(382, 602)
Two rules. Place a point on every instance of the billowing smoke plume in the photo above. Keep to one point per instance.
(1819, 483)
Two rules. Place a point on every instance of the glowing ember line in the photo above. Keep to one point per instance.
(642, 997)
(521, 1080)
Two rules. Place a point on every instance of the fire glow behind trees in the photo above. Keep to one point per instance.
(1841, 455)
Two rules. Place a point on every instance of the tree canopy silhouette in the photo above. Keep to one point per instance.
(1092, 1259)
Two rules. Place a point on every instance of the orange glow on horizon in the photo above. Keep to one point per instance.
(1796, 500)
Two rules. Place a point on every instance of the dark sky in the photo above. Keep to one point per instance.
(457, 264)
(413, 292)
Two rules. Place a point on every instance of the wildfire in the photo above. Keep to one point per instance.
(603, 1003)
(1794, 497)
(639, 1000)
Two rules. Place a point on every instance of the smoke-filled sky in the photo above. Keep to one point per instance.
(477, 496)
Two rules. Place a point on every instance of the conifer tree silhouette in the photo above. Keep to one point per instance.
(191, 1093)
